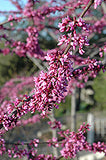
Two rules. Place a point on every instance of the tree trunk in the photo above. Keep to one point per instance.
(73, 111)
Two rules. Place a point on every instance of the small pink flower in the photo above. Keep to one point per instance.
(100, 54)
(96, 3)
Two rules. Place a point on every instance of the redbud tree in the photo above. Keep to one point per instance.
(76, 28)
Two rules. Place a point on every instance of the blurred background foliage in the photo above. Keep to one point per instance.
(99, 86)
(12, 66)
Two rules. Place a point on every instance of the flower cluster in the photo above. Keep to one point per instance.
(32, 45)
(53, 142)
(91, 66)
(97, 2)
(75, 142)
(17, 109)
(55, 124)
(69, 25)
(50, 87)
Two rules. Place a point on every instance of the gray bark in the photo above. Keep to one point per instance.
(73, 111)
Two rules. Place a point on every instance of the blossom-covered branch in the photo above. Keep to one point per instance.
(66, 67)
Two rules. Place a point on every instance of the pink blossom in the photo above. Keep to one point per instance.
(97, 2)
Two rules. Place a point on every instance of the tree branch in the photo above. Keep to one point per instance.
(85, 67)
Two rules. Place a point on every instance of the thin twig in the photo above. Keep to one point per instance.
(68, 47)
(87, 7)
(7, 21)
(54, 131)
(36, 62)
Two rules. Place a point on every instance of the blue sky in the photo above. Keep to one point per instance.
(6, 5)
